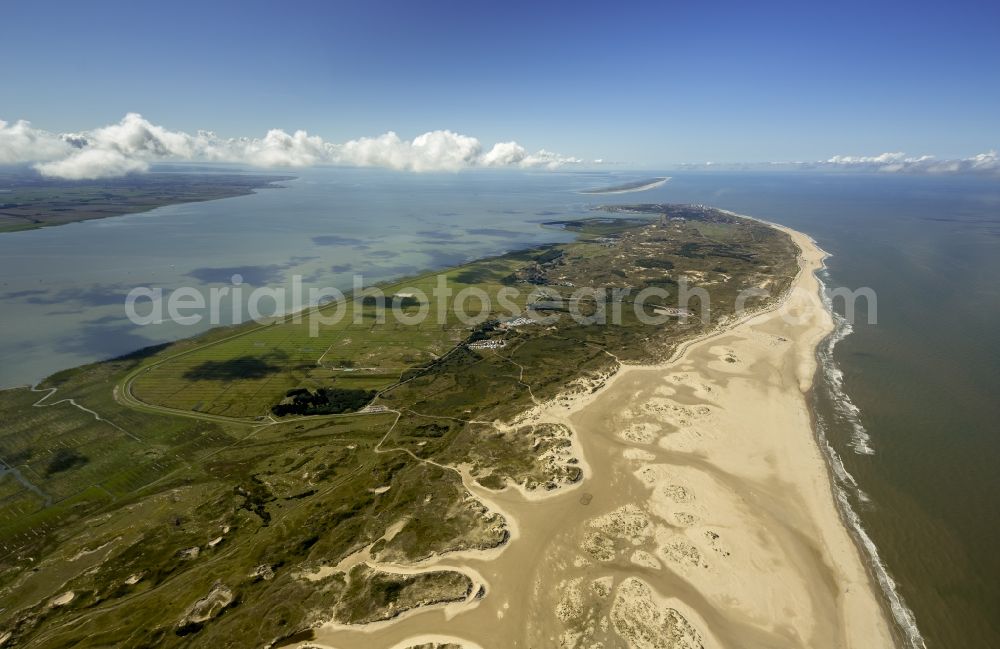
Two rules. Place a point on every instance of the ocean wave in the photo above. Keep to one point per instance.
(840, 473)
(845, 485)
(842, 404)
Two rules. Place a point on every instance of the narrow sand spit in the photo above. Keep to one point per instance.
(659, 182)
(706, 517)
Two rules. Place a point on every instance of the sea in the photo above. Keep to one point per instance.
(906, 404)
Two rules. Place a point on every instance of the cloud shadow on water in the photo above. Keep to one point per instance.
(496, 232)
(337, 240)
(253, 275)
(91, 296)
(101, 339)
(437, 236)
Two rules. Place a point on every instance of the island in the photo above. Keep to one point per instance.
(605, 468)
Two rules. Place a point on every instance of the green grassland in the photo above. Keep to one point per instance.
(243, 375)
(178, 510)
(35, 202)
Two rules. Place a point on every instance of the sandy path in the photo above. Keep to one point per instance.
(706, 517)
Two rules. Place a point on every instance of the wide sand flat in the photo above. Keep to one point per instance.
(706, 517)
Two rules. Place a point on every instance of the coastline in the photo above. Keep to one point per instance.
(904, 625)
(677, 456)
(842, 482)
(711, 455)
(198, 189)
(837, 535)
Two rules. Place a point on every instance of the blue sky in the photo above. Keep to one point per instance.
(641, 83)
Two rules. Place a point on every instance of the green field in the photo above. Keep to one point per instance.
(243, 375)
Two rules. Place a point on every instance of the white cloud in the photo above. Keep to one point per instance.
(276, 149)
(85, 164)
(20, 142)
(135, 136)
(504, 154)
(548, 159)
(891, 162)
(884, 158)
(984, 163)
(987, 162)
(130, 145)
(432, 151)
(444, 150)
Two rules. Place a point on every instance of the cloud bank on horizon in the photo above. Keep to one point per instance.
(892, 162)
(133, 143)
(983, 163)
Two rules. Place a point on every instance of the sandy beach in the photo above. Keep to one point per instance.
(706, 517)
(658, 182)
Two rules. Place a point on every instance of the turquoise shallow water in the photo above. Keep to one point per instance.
(924, 380)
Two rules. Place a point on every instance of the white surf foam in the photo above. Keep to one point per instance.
(845, 408)
(844, 482)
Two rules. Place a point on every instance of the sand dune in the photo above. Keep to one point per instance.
(706, 518)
